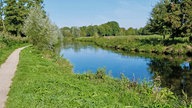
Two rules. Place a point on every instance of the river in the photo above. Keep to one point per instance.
(174, 72)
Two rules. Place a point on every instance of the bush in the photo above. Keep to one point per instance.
(40, 30)
(101, 73)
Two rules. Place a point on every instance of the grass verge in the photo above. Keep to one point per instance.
(47, 81)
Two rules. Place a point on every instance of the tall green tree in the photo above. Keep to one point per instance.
(2, 25)
(40, 30)
(113, 28)
(173, 15)
(174, 21)
(186, 9)
(11, 13)
(159, 17)
(15, 13)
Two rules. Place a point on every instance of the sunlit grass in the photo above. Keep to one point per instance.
(47, 81)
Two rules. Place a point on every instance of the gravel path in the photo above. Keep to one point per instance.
(7, 71)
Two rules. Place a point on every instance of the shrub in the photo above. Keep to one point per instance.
(40, 30)
(101, 73)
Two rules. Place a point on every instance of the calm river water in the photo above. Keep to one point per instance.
(174, 72)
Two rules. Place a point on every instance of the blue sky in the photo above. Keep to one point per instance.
(128, 13)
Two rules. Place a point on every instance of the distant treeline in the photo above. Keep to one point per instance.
(107, 29)
(168, 17)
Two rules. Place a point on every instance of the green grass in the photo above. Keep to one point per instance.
(145, 44)
(8, 45)
(44, 80)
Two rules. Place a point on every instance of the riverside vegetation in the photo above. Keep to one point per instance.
(146, 44)
(8, 44)
(44, 79)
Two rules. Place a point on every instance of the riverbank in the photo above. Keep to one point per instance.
(45, 80)
(144, 44)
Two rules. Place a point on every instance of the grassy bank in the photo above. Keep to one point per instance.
(146, 44)
(8, 44)
(46, 80)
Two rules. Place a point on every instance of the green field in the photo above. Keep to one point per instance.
(46, 80)
(146, 44)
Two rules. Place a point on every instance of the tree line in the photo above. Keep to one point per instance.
(168, 17)
(107, 29)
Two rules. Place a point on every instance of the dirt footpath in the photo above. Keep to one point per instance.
(7, 71)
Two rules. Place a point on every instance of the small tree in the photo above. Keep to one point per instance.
(40, 30)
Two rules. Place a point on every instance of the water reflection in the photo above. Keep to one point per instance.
(87, 57)
(175, 71)
(176, 75)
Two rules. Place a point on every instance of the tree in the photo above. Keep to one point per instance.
(101, 30)
(11, 14)
(174, 18)
(144, 30)
(173, 15)
(75, 31)
(122, 32)
(83, 31)
(66, 32)
(158, 20)
(131, 31)
(91, 30)
(186, 9)
(2, 25)
(40, 30)
(113, 28)
(15, 13)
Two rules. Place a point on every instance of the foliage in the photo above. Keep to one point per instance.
(2, 27)
(100, 74)
(75, 31)
(8, 44)
(131, 31)
(108, 29)
(66, 31)
(173, 16)
(45, 80)
(40, 30)
(15, 12)
(143, 44)
(158, 19)
(172, 75)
